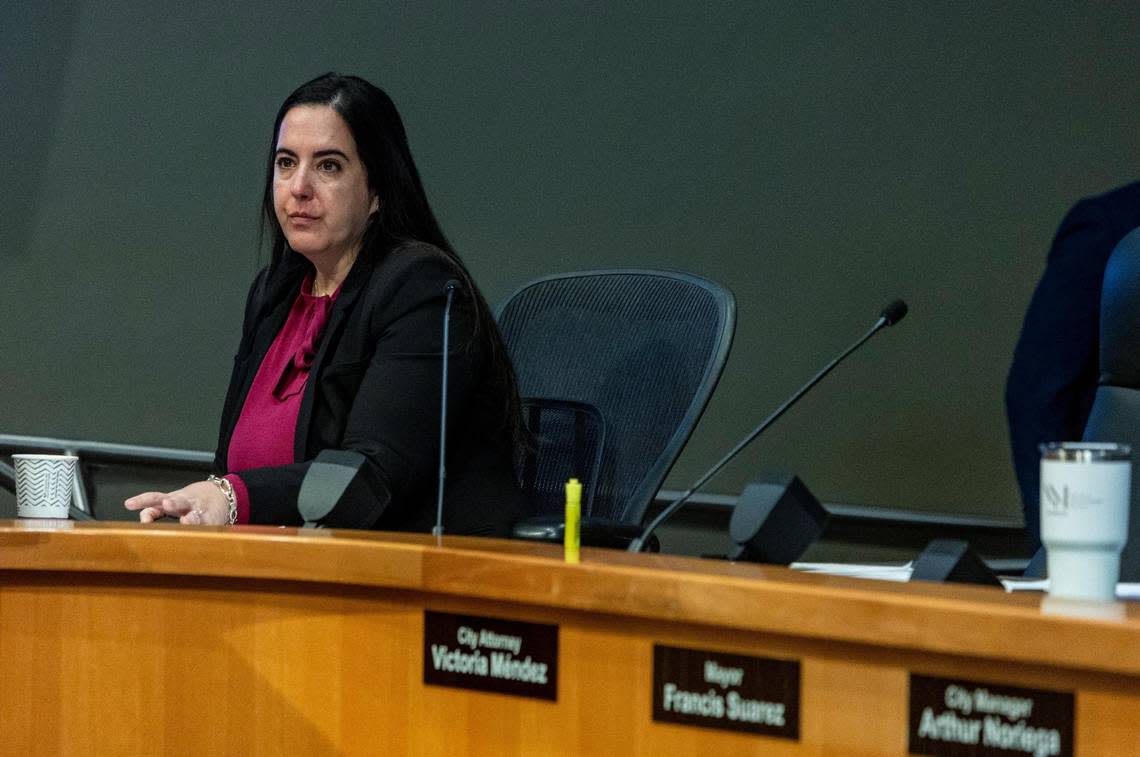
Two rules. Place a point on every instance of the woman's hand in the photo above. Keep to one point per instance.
(201, 503)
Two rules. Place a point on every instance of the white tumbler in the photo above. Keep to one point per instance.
(1086, 491)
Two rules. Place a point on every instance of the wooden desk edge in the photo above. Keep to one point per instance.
(946, 619)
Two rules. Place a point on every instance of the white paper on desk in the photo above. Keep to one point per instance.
(877, 572)
(1123, 591)
(1128, 591)
(1025, 584)
(901, 573)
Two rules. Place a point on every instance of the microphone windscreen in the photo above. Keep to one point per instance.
(894, 312)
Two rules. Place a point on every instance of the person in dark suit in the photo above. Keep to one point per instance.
(332, 413)
(1053, 378)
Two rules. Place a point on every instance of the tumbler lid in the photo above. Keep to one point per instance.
(1085, 452)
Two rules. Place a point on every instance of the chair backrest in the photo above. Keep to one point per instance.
(1115, 415)
(644, 347)
(566, 441)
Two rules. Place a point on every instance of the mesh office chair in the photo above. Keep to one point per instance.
(1115, 415)
(644, 349)
(566, 441)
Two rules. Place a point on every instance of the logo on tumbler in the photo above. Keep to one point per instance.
(1056, 501)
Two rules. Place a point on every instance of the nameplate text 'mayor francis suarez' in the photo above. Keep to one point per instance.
(726, 691)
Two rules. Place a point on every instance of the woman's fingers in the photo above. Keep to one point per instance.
(150, 514)
(194, 517)
(155, 505)
(146, 499)
(200, 503)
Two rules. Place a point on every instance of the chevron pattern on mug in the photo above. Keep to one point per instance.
(44, 484)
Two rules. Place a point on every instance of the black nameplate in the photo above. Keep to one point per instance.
(726, 691)
(954, 717)
(489, 654)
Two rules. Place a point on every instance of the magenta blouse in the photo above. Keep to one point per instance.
(263, 436)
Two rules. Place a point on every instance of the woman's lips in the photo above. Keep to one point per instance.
(300, 219)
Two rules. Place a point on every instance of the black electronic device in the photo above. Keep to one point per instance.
(952, 561)
(1038, 565)
(775, 522)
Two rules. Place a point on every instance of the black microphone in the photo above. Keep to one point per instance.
(450, 286)
(890, 315)
(893, 313)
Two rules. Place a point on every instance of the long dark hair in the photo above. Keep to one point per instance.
(403, 215)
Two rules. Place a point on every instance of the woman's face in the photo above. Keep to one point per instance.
(320, 188)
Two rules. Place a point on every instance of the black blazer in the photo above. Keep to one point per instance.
(1053, 378)
(367, 439)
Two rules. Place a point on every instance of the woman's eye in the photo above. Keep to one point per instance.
(329, 165)
(284, 162)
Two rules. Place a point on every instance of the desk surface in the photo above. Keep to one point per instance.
(312, 642)
(977, 621)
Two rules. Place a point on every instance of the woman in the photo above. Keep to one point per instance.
(332, 413)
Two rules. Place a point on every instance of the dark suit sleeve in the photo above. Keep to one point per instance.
(391, 435)
(1053, 378)
(251, 306)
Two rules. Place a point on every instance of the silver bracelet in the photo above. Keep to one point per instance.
(227, 490)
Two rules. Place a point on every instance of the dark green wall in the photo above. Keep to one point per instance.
(818, 158)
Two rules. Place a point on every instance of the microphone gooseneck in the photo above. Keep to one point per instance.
(890, 315)
(437, 530)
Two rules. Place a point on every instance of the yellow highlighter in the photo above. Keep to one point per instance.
(572, 533)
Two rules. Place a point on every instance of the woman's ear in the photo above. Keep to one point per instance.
(375, 204)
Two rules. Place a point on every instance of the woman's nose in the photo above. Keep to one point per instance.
(301, 186)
